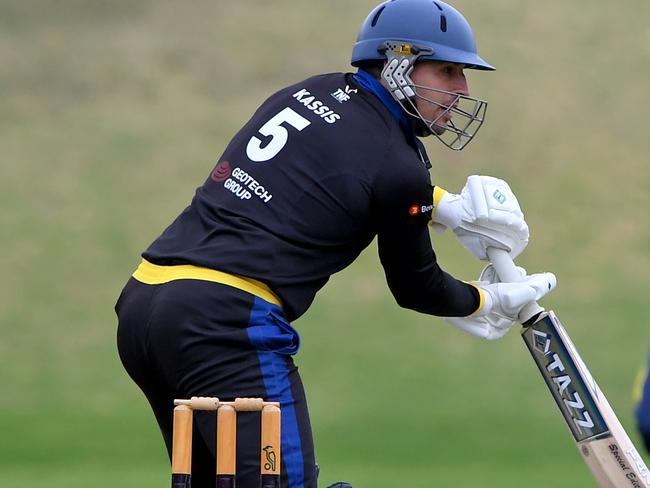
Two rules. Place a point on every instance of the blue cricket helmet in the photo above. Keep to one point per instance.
(423, 23)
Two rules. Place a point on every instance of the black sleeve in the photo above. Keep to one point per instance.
(404, 200)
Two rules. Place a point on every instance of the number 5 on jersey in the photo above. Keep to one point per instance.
(278, 133)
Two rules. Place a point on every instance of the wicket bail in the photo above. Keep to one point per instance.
(226, 440)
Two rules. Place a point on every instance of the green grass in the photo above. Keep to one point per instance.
(111, 114)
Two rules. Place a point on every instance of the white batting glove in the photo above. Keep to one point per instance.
(502, 302)
(485, 214)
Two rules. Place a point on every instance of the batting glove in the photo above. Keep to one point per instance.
(485, 214)
(501, 303)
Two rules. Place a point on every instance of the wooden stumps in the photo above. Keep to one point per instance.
(270, 447)
(226, 441)
(182, 447)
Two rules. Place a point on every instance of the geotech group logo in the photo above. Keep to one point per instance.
(239, 182)
(419, 209)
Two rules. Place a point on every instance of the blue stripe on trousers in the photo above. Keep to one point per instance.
(264, 330)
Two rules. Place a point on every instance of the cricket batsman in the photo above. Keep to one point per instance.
(321, 169)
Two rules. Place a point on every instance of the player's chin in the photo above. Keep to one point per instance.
(439, 124)
(438, 129)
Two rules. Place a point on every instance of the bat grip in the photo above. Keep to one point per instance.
(507, 272)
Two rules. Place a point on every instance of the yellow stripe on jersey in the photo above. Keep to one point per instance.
(153, 274)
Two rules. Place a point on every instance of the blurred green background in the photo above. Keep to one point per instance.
(112, 112)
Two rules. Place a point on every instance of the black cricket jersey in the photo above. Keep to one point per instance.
(320, 169)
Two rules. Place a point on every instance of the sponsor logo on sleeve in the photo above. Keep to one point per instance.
(419, 209)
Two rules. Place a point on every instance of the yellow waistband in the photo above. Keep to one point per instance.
(153, 274)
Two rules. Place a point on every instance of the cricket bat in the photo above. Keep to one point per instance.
(601, 439)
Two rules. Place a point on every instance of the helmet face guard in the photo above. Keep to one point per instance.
(401, 32)
(460, 118)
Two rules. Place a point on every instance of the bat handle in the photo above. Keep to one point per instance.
(507, 271)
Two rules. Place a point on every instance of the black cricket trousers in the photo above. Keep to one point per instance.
(179, 338)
